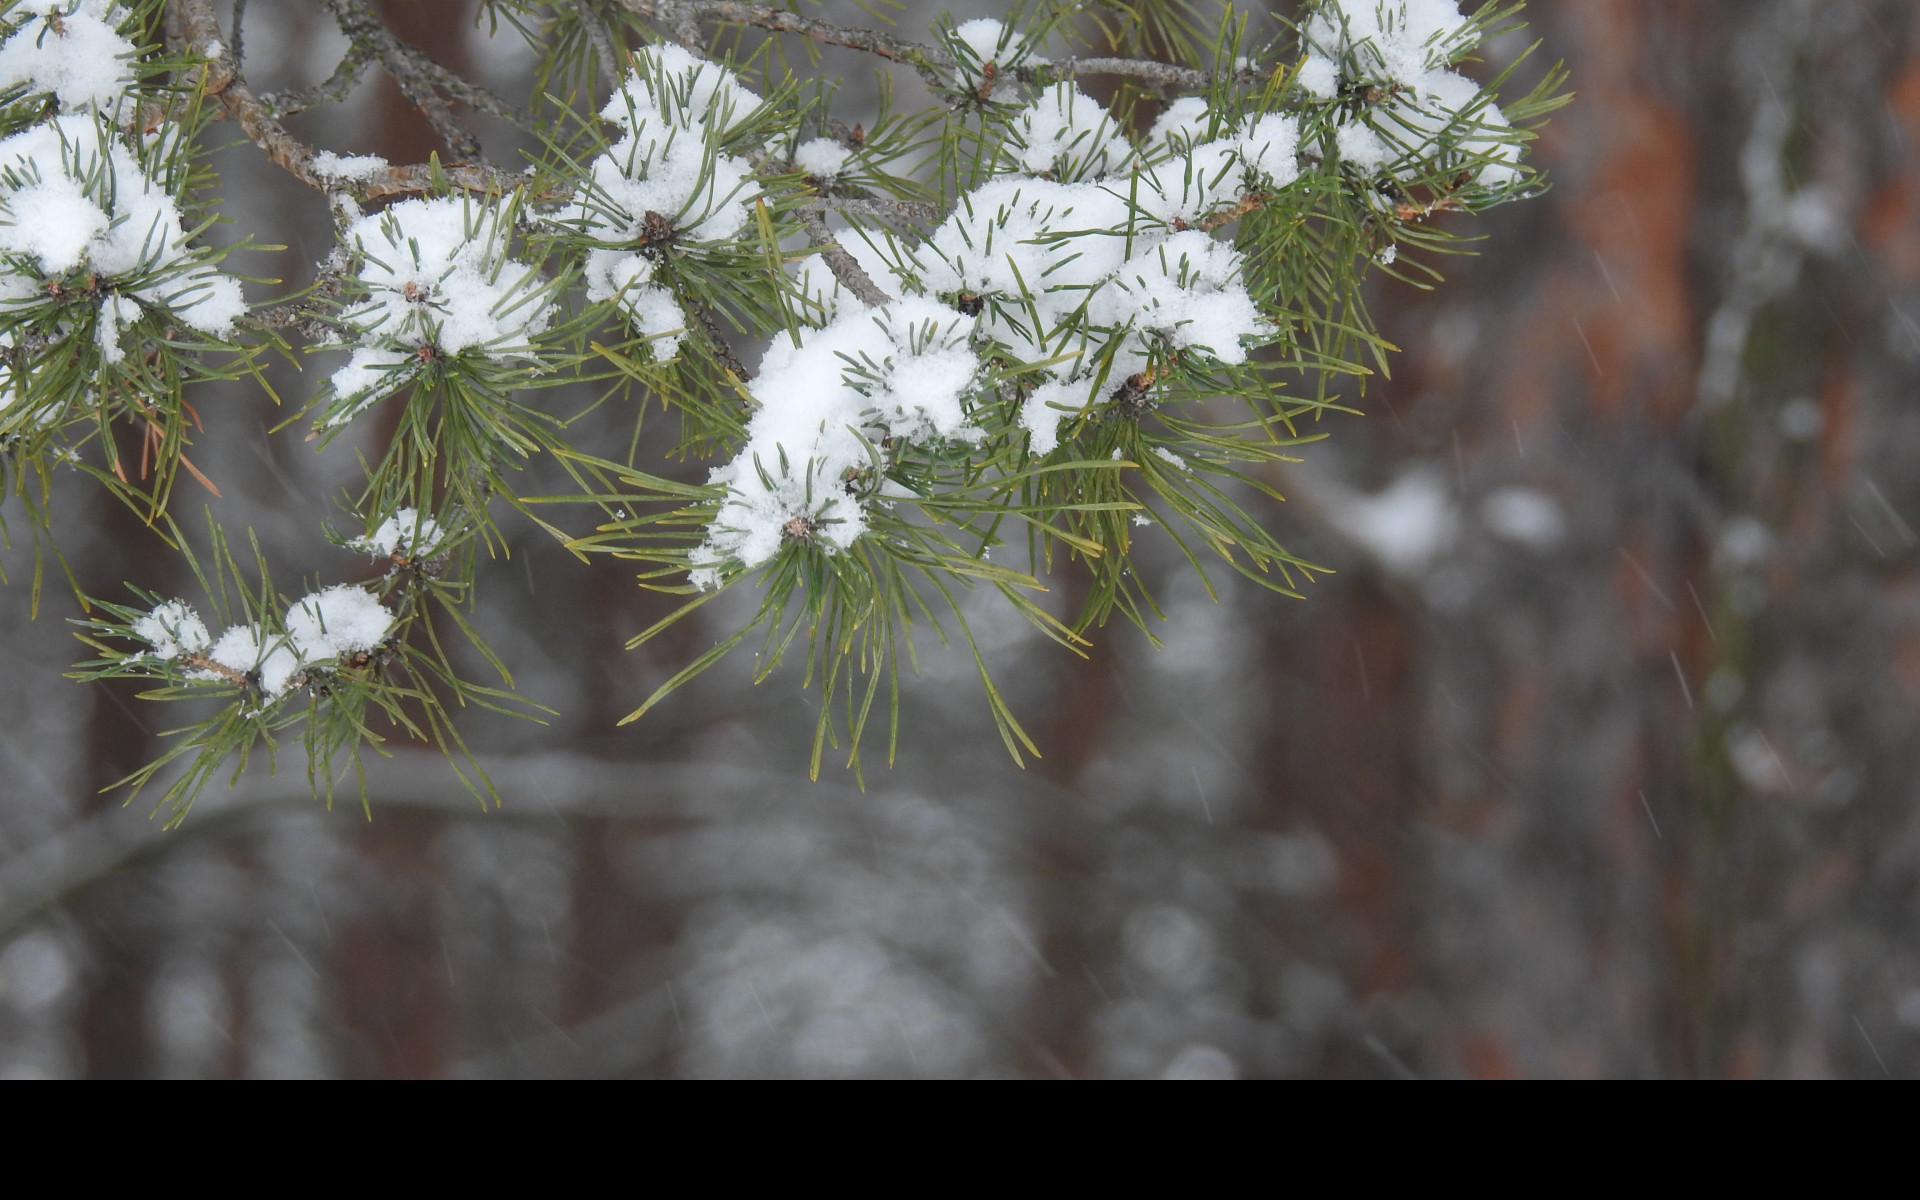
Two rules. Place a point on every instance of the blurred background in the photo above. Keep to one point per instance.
(1596, 757)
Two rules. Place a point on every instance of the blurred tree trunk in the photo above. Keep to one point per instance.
(1642, 801)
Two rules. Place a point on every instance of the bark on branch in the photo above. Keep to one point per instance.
(844, 266)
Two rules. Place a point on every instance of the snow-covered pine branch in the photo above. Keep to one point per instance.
(896, 339)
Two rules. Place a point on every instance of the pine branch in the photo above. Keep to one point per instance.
(845, 268)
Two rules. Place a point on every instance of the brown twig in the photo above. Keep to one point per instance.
(200, 662)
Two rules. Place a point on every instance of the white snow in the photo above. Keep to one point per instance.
(1319, 76)
(438, 275)
(370, 373)
(651, 310)
(321, 627)
(1052, 261)
(1081, 261)
(173, 628)
(822, 158)
(1187, 120)
(676, 110)
(985, 37)
(338, 168)
(73, 198)
(237, 649)
(1362, 147)
(1398, 40)
(905, 371)
(72, 49)
(1066, 135)
(1051, 403)
(981, 41)
(1406, 48)
(1268, 147)
(343, 619)
(1186, 290)
(406, 534)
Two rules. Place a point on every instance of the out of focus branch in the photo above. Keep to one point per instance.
(597, 33)
(542, 788)
(421, 79)
(201, 32)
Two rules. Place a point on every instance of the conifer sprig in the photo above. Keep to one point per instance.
(916, 352)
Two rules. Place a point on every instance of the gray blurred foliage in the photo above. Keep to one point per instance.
(1615, 777)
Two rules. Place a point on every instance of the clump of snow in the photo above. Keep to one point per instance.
(73, 199)
(438, 282)
(340, 620)
(1319, 76)
(1051, 264)
(1187, 121)
(905, 371)
(1066, 135)
(1188, 187)
(651, 309)
(173, 628)
(71, 48)
(1269, 147)
(238, 649)
(1187, 292)
(338, 168)
(321, 628)
(1361, 147)
(371, 372)
(1400, 41)
(982, 41)
(984, 36)
(668, 177)
(1405, 49)
(1051, 403)
(407, 534)
(822, 158)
